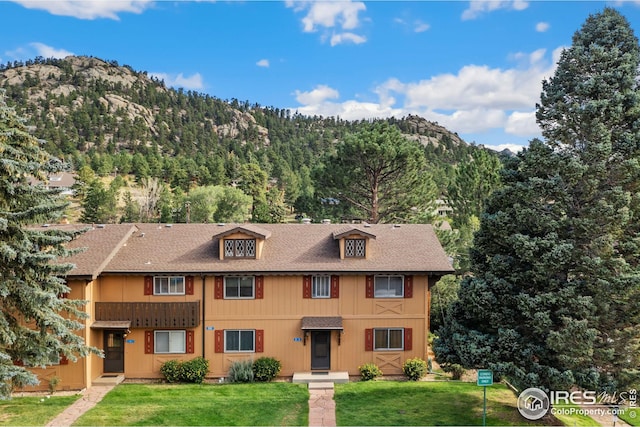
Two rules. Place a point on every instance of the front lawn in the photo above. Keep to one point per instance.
(256, 404)
(33, 411)
(453, 403)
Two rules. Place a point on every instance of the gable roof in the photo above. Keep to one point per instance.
(291, 249)
(351, 230)
(249, 229)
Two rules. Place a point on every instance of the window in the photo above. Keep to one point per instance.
(354, 248)
(240, 248)
(239, 287)
(168, 285)
(239, 340)
(169, 342)
(389, 287)
(388, 339)
(321, 287)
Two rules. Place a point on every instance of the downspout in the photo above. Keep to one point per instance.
(203, 313)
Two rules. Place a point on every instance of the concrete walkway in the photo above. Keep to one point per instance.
(322, 407)
(88, 400)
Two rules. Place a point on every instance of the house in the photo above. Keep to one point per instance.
(61, 180)
(317, 297)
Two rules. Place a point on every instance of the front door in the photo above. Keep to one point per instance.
(113, 351)
(320, 349)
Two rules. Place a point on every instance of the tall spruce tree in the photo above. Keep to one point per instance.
(555, 297)
(37, 323)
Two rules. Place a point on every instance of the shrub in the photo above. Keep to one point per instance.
(171, 371)
(194, 370)
(457, 371)
(369, 371)
(266, 368)
(414, 369)
(241, 371)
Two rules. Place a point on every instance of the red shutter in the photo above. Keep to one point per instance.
(370, 282)
(219, 340)
(148, 342)
(408, 286)
(63, 360)
(368, 340)
(64, 295)
(148, 285)
(259, 287)
(408, 339)
(259, 340)
(219, 287)
(190, 342)
(335, 286)
(18, 363)
(188, 285)
(306, 286)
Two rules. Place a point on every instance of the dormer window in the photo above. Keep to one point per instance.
(240, 248)
(355, 248)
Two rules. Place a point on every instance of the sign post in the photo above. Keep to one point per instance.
(485, 378)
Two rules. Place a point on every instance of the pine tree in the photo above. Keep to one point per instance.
(36, 323)
(555, 297)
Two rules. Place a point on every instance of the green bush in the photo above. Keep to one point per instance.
(414, 369)
(191, 371)
(457, 371)
(171, 371)
(266, 368)
(241, 371)
(194, 370)
(369, 371)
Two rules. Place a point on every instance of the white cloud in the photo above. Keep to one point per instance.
(263, 63)
(193, 82)
(514, 148)
(49, 52)
(347, 38)
(331, 15)
(421, 27)
(478, 7)
(542, 27)
(88, 9)
(476, 99)
(317, 96)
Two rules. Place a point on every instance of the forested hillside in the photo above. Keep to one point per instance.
(105, 120)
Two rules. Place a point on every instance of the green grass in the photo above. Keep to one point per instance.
(32, 411)
(391, 403)
(256, 404)
(631, 416)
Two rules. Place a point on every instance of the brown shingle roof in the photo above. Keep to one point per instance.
(310, 323)
(292, 248)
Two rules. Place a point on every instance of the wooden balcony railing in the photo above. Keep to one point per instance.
(151, 314)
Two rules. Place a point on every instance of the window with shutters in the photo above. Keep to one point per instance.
(355, 248)
(321, 287)
(239, 287)
(389, 287)
(240, 248)
(239, 340)
(169, 342)
(388, 339)
(168, 285)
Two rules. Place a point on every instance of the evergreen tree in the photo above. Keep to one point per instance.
(555, 297)
(380, 174)
(36, 323)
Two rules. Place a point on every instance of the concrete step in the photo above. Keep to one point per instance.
(321, 386)
(320, 377)
(108, 379)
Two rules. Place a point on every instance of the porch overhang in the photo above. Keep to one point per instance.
(322, 323)
(111, 324)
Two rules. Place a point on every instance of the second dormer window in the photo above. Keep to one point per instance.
(240, 248)
(354, 248)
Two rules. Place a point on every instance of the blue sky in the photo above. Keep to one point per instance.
(474, 67)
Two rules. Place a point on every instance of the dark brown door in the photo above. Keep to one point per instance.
(320, 349)
(113, 351)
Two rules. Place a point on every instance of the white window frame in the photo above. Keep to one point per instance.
(239, 332)
(378, 282)
(253, 287)
(321, 287)
(157, 290)
(359, 249)
(387, 348)
(172, 350)
(246, 247)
